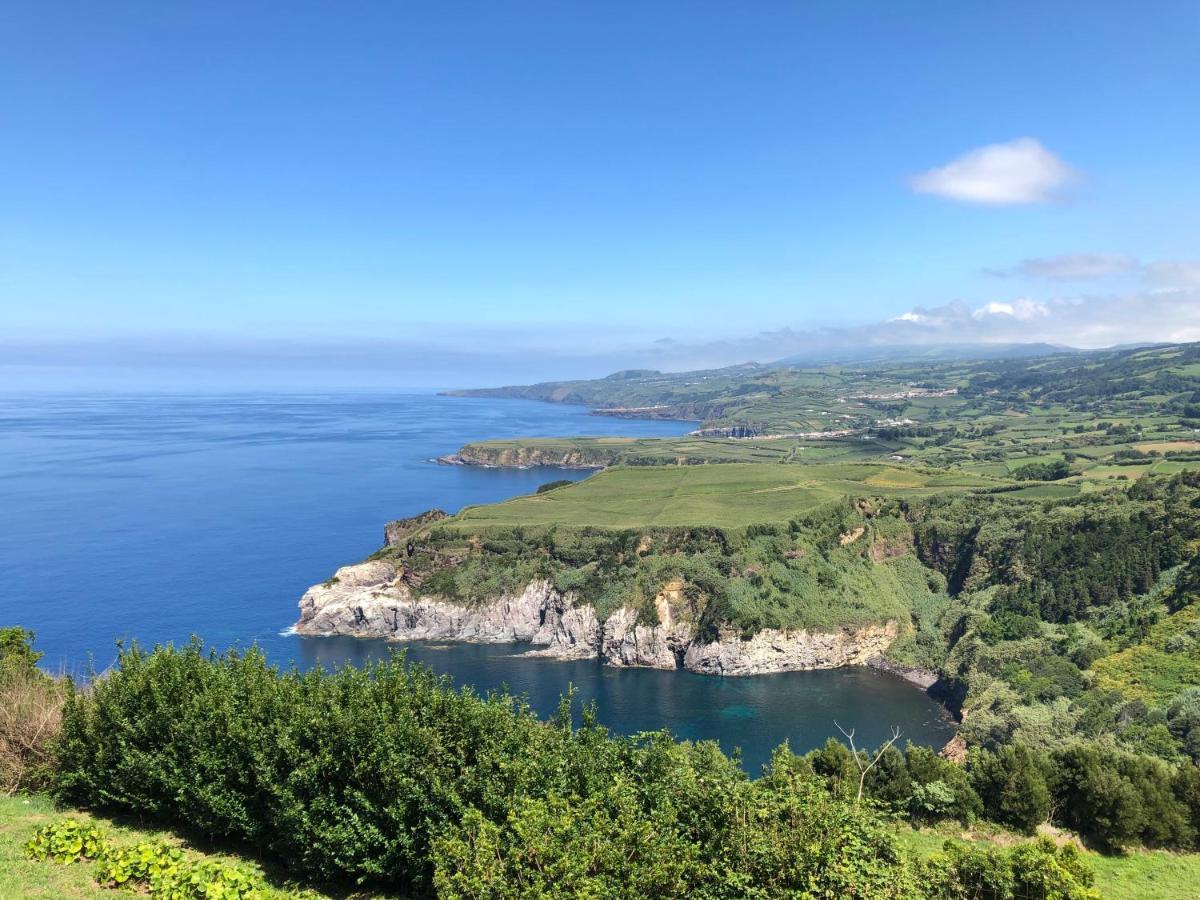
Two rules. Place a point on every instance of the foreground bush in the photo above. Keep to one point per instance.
(390, 776)
(1034, 870)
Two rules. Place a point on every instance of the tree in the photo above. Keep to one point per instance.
(1012, 785)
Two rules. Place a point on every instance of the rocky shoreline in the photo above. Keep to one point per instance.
(372, 599)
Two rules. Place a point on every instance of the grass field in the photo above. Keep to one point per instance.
(22, 878)
(731, 496)
(1137, 875)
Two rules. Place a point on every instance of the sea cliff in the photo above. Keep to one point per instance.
(372, 599)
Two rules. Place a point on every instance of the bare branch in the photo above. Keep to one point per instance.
(859, 762)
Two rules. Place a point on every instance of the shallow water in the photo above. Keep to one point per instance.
(157, 517)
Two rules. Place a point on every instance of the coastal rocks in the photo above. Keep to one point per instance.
(370, 600)
(789, 651)
(567, 631)
(922, 678)
(626, 643)
(373, 600)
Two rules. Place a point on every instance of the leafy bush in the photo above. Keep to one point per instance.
(389, 775)
(1012, 785)
(167, 872)
(67, 841)
(1047, 471)
(1034, 869)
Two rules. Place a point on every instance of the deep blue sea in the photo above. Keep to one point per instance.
(157, 517)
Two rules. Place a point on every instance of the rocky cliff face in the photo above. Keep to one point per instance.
(789, 651)
(372, 600)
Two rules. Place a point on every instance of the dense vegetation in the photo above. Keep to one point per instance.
(30, 709)
(802, 573)
(389, 776)
(1033, 527)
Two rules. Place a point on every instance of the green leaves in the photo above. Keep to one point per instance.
(67, 842)
(165, 871)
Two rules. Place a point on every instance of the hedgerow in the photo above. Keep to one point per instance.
(390, 776)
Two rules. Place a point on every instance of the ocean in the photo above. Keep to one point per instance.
(158, 517)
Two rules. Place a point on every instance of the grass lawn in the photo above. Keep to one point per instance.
(731, 495)
(1137, 875)
(23, 878)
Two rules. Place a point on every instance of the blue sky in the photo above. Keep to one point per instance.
(522, 190)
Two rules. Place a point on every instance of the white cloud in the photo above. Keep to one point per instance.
(1019, 172)
(1104, 321)
(1070, 266)
(1022, 309)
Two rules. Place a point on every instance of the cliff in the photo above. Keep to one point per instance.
(372, 599)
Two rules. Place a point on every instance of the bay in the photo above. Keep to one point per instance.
(155, 517)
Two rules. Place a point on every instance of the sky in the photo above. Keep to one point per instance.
(452, 193)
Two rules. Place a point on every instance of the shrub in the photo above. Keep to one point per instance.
(1034, 869)
(1120, 799)
(389, 775)
(167, 872)
(1048, 471)
(67, 841)
(16, 649)
(1012, 785)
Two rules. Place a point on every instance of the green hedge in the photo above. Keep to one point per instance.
(389, 776)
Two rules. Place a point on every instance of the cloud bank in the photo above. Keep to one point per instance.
(1019, 172)
(437, 357)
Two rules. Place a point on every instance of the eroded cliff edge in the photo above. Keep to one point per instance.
(373, 599)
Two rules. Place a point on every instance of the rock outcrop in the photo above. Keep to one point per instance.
(372, 599)
(922, 678)
(789, 651)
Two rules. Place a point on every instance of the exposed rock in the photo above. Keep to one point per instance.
(627, 643)
(883, 549)
(922, 678)
(789, 651)
(369, 600)
(372, 599)
(955, 750)
(567, 631)
(850, 537)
